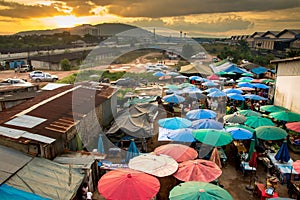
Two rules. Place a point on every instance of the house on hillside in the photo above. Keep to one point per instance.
(67, 118)
(287, 83)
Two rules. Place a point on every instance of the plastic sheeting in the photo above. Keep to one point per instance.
(47, 179)
(9, 193)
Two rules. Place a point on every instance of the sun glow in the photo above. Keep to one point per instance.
(65, 21)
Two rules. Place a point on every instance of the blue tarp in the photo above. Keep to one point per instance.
(8, 193)
(259, 70)
(15, 64)
(235, 69)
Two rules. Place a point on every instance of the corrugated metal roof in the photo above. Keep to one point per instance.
(37, 137)
(26, 121)
(53, 86)
(12, 133)
(11, 162)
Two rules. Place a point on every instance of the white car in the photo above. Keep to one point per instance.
(45, 77)
(15, 82)
(36, 73)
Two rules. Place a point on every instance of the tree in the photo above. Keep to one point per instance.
(65, 65)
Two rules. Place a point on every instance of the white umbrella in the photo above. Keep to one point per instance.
(157, 165)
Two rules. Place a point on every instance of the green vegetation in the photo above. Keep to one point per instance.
(65, 65)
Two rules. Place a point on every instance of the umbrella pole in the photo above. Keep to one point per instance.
(250, 186)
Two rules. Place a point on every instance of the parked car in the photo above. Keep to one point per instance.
(15, 82)
(22, 68)
(36, 73)
(45, 77)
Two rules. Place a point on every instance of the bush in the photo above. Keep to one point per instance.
(65, 65)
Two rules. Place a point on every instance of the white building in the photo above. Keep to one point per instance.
(287, 90)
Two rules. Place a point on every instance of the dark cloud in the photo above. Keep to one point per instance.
(168, 8)
(17, 10)
(80, 8)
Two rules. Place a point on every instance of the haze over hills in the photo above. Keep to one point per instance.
(105, 29)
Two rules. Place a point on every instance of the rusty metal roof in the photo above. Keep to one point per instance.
(56, 107)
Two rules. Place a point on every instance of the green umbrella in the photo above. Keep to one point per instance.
(248, 113)
(268, 81)
(241, 126)
(184, 85)
(247, 74)
(255, 122)
(198, 190)
(221, 73)
(235, 118)
(287, 116)
(172, 87)
(270, 133)
(244, 80)
(212, 137)
(272, 108)
(231, 73)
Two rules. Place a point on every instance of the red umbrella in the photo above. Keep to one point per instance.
(296, 166)
(213, 77)
(198, 170)
(215, 157)
(128, 184)
(179, 152)
(294, 126)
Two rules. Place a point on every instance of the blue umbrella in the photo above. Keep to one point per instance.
(254, 97)
(231, 90)
(210, 90)
(132, 151)
(159, 74)
(210, 84)
(181, 77)
(283, 154)
(246, 85)
(260, 86)
(172, 74)
(194, 77)
(207, 124)
(174, 123)
(181, 135)
(246, 78)
(235, 96)
(173, 98)
(100, 146)
(201, 114)
(191, 89)
(239, 133)
(217, 94)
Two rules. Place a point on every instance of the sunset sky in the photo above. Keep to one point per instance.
(221, 18)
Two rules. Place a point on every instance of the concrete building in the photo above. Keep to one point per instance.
(60, 119)
(287, 83)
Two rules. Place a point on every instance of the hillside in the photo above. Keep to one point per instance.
(105, 29)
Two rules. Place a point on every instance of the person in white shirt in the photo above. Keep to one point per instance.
(89, 195)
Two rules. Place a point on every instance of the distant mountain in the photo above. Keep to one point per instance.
(105, 29)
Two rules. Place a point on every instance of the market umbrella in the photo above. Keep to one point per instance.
(207, 124)
(100, 145)
(180, 77)
(212, 137)
(294, 126)
(172, 73)
(246, 89)
(127, 184)
(248, 113)
(213, 77)
(239, 133)
(178, 152)
(296, 166)
(210, 90)
(270, 133)
(191, 89)
(283, 154)
(236, 96)
(260, 86)
(194, 77)
(174, 123)
(184, 85)
(209, 84)
(157, 165)
(245, 85)
(197, 95)
(161, 78)
(181, 135)
(217, 94)
(247, 74)
(235, 118)
(287, 116)
(198, 170)
(198, 190)
(221, 73)
(244, 81)
(171, 87)
(268, 81)
(232, 90)
(173, 98)
(254, 97)
(215, 157)
(254, 122)
(132, 151)
(241, 126)
(200, 114)
(272, 108)
(159, 73)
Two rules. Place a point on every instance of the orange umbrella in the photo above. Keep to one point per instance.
(179, 152)
(128, 184)
(246, 89)
(198, 170)
(294, 126)
(215, 157)
(296, 166)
